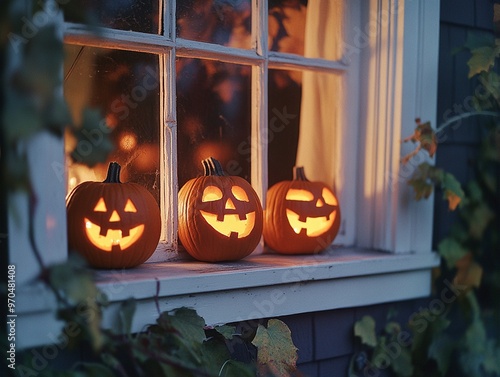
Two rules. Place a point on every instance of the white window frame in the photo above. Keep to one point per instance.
(397, 60)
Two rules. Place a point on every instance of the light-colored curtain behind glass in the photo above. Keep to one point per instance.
(319, 149)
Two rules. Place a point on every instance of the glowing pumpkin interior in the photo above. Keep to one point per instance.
(229, 219)
(114, 236)
(315, 215)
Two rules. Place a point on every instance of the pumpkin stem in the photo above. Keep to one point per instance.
(212, 167)
(299, 174)
(113, 173)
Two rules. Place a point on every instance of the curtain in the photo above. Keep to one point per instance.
(321, 106)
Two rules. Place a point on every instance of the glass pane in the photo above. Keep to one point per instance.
(213, 112)
(305, 124)
(124, 85)
(225, 22)
(134, 15)
(312, 29)
(285, 90)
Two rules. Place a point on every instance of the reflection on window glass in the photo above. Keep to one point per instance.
(213, 112)
(312, 29)
(285, 89)
(134, 15)
(226, 22)
(287, 19)
(124, 85)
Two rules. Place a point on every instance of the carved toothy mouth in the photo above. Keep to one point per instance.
(314, 226)
(113, 239)
(231, 223)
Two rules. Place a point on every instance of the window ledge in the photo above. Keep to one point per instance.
(259, 286)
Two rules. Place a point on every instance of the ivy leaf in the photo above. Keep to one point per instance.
(479, 219)
(469, 273)
(97, 370)
(126, 316)
(94, 135)
(184, 321)
(440, 349)
(276, 348)
(452, 251)
(423, 189)
(483, 58)
(365, 329)
(452, 190)
(492, 359)
(426, 138)
(76, 284)
(484, 49)
(402, 364)
(20, 117)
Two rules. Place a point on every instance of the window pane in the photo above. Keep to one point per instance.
(306, 123)
(226, 22)
(285, 89)
(213, 112)
(125, 86)
(311, 29)
(135, 15)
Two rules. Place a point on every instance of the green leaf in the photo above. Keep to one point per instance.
(126, 316)
(451, 251)
(452, 190)
(76, 285)
(365, 329)
(235, 368)
(21, 118)
(440, 349)
(483, 58)
(96, 370)
(479, 219)
(93, 144)
(423, 189)
(276, 348)
(491, 361)
(186, 322)
(402, 364)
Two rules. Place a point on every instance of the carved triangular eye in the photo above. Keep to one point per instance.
(130, 207)
(100, 206)
(211, 194)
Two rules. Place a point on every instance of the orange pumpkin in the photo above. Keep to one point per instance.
(220, 216)
(301, 217)
(113, 224)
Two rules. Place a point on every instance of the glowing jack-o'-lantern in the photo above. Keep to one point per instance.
(113, 224)
(220, 216)
(301, 217)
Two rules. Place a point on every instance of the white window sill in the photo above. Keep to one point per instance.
(257, 287)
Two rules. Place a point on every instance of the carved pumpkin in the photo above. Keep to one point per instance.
(113, 224)
(301, 217)
(220, 216)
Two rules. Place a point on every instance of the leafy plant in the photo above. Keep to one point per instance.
(463, 337)
(179, 343)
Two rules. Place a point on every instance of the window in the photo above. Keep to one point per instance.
(375, 83)
(260, 90)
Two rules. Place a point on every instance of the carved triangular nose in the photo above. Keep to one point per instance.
(320, 203)
(230, 204)
(114, 217)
